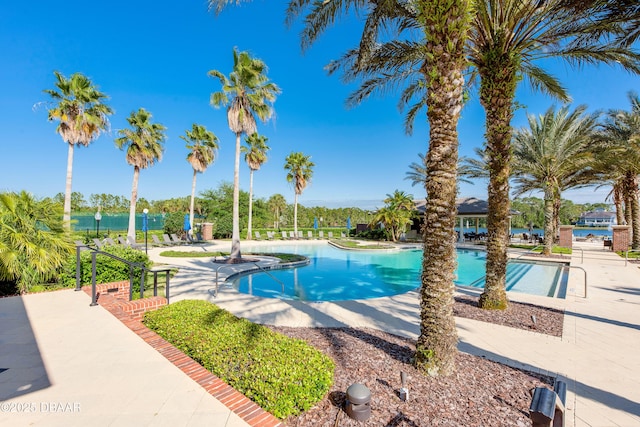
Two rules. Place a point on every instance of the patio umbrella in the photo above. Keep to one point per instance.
(187, 223)
(315, 223)
(349, 223)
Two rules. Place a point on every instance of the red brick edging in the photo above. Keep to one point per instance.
(130, 313)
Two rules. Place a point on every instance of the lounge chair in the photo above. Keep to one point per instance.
(98, 244)
(284, 235)
(82, 245)
(330, 234)
(258, 236)
(176, 240)
(199, 237)
(309, 234)
(109, 241)
(292, 235)
(133, 244)
(269, 235)
(320, 234)
(344, 236)
(167, 239)
(157, 241)
(123, 241)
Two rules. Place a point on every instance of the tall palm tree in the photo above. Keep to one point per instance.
(417, 172)
(506, 42)
(619, 153)
(33, 241)
(299, 172)
(203, 145)
(144, 147)
(255, 155)
(276, 205)
(82, 116)
(553, 155)
(247, 93)
(396, 214)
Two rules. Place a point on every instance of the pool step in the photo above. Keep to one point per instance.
(515, 271)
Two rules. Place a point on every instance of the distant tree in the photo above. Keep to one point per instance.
(144, 147)
(248, 93)
(202, 145)
(299, 169)
(33, 241)
(397, 213)
(82, 116)
(218, 204)
(255, 155)
(277, 205)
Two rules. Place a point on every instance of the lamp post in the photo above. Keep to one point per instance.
(145, 227)
(98, 217)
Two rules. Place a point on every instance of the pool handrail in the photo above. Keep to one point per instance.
(258, 267)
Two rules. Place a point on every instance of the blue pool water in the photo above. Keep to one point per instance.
(338, 275)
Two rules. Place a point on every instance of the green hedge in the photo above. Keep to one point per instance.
(284, 376)
(107, 269)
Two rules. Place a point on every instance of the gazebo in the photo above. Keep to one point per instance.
(468, 208)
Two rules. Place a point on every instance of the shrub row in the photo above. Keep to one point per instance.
(284, 376)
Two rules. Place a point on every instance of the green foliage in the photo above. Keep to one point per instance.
(174, 222)
(33, 245)
(284, 376)
(107, 269)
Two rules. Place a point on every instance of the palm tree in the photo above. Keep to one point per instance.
(417, 172)
(396, 214)
(248, 93)
(300, 171)
(144, 147)
(82, 116)
(619, 154)
(33, 241)
(255, 156)
(276, 205)
(553, 155)
(203, 145)
(506, 41)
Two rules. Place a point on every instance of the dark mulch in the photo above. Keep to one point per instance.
(479, 393)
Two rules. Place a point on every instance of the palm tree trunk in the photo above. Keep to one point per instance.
(193, 198)
(497, 91)
(617, 201)
(295, 214)
(66, 215)
(131, 232)
(635, 214)
(250, 204)
(436, 347)
(548, 219)
(235, 235)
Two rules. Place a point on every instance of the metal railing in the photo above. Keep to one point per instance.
(258, 267)
(132, 265)
(626, 255)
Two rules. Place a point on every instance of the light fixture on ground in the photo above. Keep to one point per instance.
(145, 227)
(358, 404)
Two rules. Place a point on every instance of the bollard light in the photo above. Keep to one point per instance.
(145, 227)
(358, 404)
(404, 388)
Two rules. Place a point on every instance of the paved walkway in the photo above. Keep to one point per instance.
(78, 365)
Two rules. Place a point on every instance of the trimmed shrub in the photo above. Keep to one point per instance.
(107, 269)
(284, 376)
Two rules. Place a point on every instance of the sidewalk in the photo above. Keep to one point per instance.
(64, 363)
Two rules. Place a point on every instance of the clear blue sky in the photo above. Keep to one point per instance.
(156, 55)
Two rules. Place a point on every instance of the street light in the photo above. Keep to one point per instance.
(145, 227)
(98, 217)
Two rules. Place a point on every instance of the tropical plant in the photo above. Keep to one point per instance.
(247, 93)
(553, 155)
(202, 145)
(33, 241)
(397, 213)
(82, 116)
(299, 172)
(255, 155)
(276, 205)
(619, 161)
(507, 40)
(144, 147)
(417, 172)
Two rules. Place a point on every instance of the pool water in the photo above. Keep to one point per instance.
(338, 275)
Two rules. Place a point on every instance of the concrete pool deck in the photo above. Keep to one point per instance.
(71, 353)
(597, 355)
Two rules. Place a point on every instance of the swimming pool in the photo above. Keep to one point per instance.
(337, 275)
